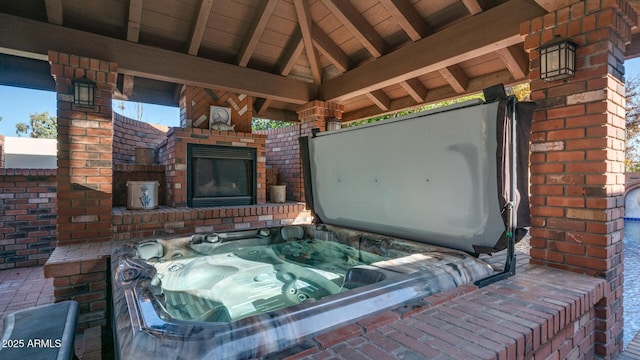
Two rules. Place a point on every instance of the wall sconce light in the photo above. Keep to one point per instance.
(83, 90)
(557, 60)
(333, 124)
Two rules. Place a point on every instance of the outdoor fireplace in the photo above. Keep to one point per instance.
(220, 175)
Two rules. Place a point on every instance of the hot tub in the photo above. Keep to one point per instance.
(246, 294)
(401, 210)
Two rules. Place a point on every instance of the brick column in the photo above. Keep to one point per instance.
(577, 153)
(85, 136)
(315, 114)
(312, 115)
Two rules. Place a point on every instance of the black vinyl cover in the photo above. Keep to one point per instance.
(523, 116)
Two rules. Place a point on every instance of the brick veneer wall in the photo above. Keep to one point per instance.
(27, 216)
(129, 134)
(577, 159)
(283, 148)
(131, 225)
(283, 154)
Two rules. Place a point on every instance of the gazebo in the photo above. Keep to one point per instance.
(319, 61)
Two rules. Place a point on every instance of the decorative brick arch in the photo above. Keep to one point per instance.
(631, 182)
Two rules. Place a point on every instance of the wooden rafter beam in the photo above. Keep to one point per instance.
(55, 14)
(280, 115)
(456, 77)
(290, 54)
(435, 95)
(516, 60)
(380, 99)
(472, 6)
(330, 49)
(135, 16)
(33, 39)
(407, 17)
(199, 26)
(260, 106)
(252, 37)
(415, 89)
(420, 57)
(351, 18)
(304, 20)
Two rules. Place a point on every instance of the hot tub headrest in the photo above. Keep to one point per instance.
(150, 250)
(292, 233)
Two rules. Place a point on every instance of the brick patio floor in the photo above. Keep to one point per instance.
(23, 288)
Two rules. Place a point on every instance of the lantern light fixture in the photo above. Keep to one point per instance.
(557, 59)
(333, 124)
(83, 91)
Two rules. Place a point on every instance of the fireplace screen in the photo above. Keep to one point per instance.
(220, 175)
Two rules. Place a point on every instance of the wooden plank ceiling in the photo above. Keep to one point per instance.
(373, 56)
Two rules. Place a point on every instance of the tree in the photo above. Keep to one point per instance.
(42, 125)
(632, 97)
(265, 124)
(520, 91)
(133, 110)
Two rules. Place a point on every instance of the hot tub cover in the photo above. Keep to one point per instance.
(438, 177)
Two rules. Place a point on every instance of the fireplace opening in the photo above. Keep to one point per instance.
(220, 175)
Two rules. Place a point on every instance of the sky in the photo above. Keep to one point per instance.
(17, 103)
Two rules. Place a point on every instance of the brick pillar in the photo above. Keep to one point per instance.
(316, 114)
(196, 102)
(85, 136)
(577, 153)
(312, 115)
